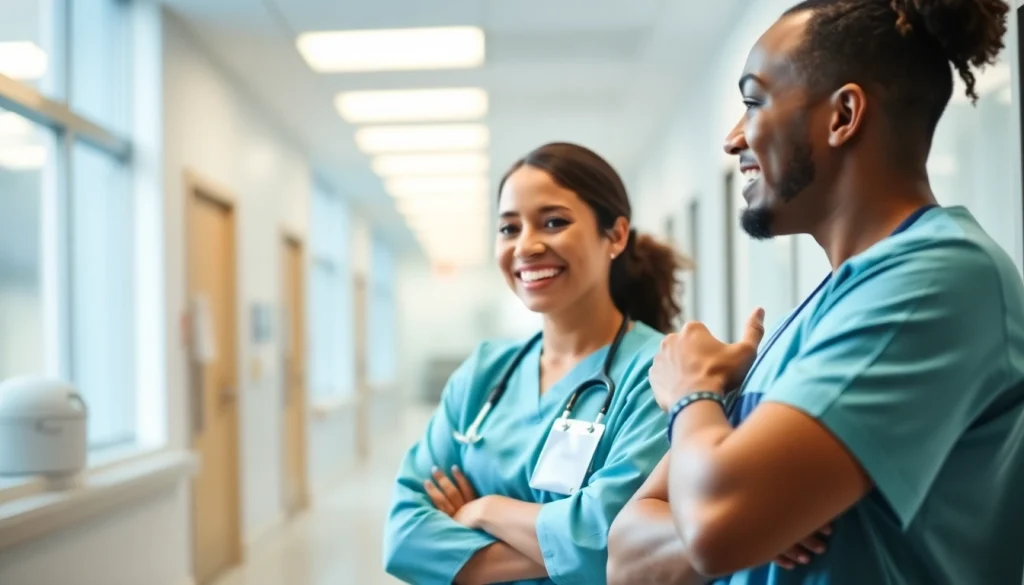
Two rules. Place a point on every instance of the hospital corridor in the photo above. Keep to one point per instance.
(338, 540)
(333, 292)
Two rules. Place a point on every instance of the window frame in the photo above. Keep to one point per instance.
(69, 129)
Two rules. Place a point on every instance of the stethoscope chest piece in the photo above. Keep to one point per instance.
(472, 435)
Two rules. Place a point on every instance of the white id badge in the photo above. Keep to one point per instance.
(566, 457)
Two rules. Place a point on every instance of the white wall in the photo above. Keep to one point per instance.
(144, 542)
(447, 316)
(212, 129)
(689, 163)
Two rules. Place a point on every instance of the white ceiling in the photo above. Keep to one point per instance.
(605, 73)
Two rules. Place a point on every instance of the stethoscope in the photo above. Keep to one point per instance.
(472, 435)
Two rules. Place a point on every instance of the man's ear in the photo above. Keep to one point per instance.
(849, 105)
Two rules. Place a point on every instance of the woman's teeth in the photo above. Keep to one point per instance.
(535, 275)
(752, 174)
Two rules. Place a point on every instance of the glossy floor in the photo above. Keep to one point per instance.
(338, 541)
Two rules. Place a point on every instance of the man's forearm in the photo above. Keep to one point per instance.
(499, 563)
(644, 548)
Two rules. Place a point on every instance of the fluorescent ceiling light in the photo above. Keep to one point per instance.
(464, 249)
(445, 225)
(412, 105)
(443, 205)
(406, 187)
(23, 158)
(392, 165)
(23, 60)
(12, 124)
(382, 139)
(455, 238)
(393, 49)
(453, 243)
(474, 258)
(461, 229)
(446, 266)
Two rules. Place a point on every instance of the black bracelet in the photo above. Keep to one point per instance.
(687, 401)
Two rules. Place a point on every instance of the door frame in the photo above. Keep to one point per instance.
(729, 175)
(287, 236)
(691, 212)
(194, 186)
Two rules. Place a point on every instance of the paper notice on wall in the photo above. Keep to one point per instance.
(204, 341)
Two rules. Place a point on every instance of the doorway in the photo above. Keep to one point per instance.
(213, 366)
(296, 486)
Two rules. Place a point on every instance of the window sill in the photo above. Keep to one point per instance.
(31, 508)
(17, 487)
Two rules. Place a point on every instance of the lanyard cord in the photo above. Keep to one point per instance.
(733, 398)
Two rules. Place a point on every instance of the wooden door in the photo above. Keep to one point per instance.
(214, 369)
(296, 490)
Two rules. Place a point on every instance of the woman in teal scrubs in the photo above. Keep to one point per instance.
(497, 508)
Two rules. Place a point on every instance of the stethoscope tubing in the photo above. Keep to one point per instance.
(602, 379)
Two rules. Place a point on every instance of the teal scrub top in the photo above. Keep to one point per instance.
(912, 355)
(423, 545)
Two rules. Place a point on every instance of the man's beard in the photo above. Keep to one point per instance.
(757, 221)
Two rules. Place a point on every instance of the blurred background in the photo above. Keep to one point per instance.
(257, 236)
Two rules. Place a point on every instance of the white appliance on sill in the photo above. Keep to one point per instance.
(42, 428)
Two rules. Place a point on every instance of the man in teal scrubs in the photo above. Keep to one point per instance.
(888, 407)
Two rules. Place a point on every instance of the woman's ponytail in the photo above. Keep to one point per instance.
(645, 283)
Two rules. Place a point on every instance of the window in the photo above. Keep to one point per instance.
(23, 156)
(102, 332)
(67, 222)
(99, 64)
(382, 366)
(323, 370)
(332, 356)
